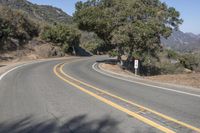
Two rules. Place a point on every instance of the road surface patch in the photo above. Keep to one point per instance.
(143, 110)
(141, 83)
(166, 119)
(57, 69)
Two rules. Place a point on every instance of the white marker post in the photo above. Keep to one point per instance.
(136, 65)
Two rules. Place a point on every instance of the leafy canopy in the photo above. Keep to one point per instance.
(128, 25)
(15, 24)
(61, 34)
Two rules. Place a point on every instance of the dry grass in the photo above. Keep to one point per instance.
(191, 80)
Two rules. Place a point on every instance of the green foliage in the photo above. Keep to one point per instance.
(113, 53)
(191, 61)
(90, 42)
(151, 66)
(128, 26)
(169, 68)
(63, 35)
(177, 63)
(171, 54)
(91, 47)
(65, 48)
(15, 25)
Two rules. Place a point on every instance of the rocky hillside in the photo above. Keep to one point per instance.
(184, 42)
(39, 12)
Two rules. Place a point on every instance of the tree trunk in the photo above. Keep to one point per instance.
(119, 56)
(129, 60)
(130, 54)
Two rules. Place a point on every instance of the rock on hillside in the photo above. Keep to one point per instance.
(40, 12)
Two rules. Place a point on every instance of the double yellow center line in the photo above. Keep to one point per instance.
(58, 70)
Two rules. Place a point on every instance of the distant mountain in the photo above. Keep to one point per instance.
(199, 36)
(184, 42)
(40, 12)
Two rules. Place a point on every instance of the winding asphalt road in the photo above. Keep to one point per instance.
(33, 99)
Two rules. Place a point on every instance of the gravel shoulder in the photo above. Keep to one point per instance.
(191, 80)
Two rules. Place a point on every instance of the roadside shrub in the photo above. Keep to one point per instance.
(190, 61)
(169, 68)
(16, 28)
(171, 54)
(91, 47)
(149, 70)
(113, 53)
(169, 62)
(62, 35)
(65, 48)
(90, 42)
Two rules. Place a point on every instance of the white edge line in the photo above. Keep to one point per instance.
(163, 88)
(22, 65)
(19, 66)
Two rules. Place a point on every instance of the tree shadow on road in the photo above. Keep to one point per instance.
(78, 124)
(2, 65)
(108, 61)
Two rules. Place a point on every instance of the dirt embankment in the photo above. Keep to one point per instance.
(34, 50)
(191, 80)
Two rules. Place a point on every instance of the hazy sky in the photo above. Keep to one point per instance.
(190, 13)
(189, 9)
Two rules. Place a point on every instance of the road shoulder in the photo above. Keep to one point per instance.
(116, 71)
(8, 65)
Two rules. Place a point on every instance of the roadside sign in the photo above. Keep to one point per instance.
(136, 65)
(136, 62)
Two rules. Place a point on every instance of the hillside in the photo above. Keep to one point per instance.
(184, 42)
(40, 12)
(19, 37)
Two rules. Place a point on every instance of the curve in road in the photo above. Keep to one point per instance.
(179, 109)
(34, 100)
